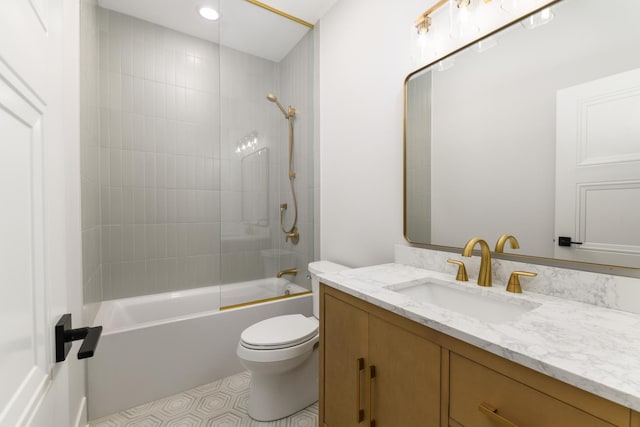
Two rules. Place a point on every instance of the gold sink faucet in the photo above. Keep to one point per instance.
(504, 239)
(484, 278)
(291, 271)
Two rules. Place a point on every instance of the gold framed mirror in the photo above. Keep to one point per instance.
(537, 137)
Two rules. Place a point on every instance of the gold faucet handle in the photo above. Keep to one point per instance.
(514, 281)
(462, 270)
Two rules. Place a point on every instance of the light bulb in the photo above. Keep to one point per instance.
(462, 19)
(207, 12)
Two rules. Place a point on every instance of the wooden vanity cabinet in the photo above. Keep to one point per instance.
(481, 397)
(344, 355)
(426, 378)
(375, 371)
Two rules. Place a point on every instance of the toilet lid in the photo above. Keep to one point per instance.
(279, 332)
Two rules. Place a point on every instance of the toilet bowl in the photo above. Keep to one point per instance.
(281, 353)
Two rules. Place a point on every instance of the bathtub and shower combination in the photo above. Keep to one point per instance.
(158, 345)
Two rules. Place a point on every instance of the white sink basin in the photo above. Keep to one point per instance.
(486, 308)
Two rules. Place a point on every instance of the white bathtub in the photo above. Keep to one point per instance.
(158, 345)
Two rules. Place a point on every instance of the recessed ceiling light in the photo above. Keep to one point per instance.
(209, 13)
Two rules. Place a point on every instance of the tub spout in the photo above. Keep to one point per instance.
(291, 271)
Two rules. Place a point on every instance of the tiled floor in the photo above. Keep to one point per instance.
(222, 403)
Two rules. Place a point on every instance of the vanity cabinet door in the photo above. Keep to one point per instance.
(374, 371)
(345, 358)
(482, 397)
(405, 390)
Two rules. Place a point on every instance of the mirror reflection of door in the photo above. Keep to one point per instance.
(598, 170)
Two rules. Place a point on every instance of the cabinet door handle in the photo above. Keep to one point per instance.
(492, 413)
(359, 410)
(372, 375)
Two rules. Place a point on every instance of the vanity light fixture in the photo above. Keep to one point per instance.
(423, 25)
(462, 19)
(423, 22)
(207, 12)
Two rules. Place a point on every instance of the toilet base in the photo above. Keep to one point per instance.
(272, 397)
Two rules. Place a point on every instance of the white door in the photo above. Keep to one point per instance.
(598, 170)
(39, 256)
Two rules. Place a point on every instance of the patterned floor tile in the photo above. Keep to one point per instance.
(305, 418)
(237, 383)
(205, 389)
(189, 420)
(214, 403)
(148, 420)
(145, 408)
(241, 402)
(228, 419)
(222, 403)
(176, 405)
(116, 420)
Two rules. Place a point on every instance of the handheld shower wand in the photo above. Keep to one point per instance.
(291, 112)
(293, 232)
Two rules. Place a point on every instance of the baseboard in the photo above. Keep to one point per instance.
(81, 416)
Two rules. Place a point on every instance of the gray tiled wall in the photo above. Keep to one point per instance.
(162, 113)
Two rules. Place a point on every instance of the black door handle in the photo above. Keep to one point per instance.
(65, 336)
(566, 241)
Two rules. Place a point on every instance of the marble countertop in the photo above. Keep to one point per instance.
(593, 348)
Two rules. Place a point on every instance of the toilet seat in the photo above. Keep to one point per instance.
(279, 332)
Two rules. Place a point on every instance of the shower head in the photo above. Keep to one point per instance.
(271, 97)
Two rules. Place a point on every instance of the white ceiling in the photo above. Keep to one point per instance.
(242, 25)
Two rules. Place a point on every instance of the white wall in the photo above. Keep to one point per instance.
(367, 48)
(364, 57)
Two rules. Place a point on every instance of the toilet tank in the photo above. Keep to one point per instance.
(316, 268)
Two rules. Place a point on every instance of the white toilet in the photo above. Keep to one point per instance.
(282, 355)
